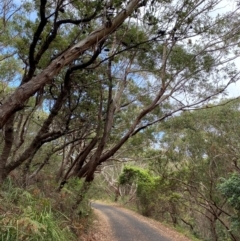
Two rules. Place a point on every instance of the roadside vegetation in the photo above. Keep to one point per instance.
(38, 213)
(191, 181)
(117, 99)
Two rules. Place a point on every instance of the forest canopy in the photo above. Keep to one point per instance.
(131, 93)
(79, 79)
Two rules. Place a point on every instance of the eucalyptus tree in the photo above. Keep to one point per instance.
(201, 149)
(104, 71)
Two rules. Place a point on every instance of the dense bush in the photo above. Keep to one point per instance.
(230, 188)
(37, 213)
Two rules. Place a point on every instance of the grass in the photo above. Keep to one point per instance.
(33, 215)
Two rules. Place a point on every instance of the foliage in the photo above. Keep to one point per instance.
(86, 82)
(28, 215)
(146, 186)
(71, 192)
(197, 149)
(95, 93)
(135, 174)
(229, 187)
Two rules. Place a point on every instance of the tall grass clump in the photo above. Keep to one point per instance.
(28, 215)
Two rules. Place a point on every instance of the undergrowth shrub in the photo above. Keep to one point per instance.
(30, 215)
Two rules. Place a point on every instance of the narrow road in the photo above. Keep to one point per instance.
(127, 227)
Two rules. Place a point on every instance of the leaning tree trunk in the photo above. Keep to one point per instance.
(15, 101)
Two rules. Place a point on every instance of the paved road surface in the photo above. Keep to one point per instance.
(126, 227)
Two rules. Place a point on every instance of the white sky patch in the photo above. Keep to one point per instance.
(234, 90)
(223, 7)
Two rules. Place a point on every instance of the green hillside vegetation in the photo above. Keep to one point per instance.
(192, 180)
(123, 101)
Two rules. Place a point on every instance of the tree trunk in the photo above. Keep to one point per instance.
(213, 229)
(15, 101)
(117, 195)
(83, 191)
(8, 143)
(3, 175)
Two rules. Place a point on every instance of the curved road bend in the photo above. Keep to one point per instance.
(126, 227)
